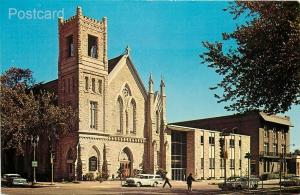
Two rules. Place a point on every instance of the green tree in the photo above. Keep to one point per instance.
(27, 110)
(297, 152)
(259, 61)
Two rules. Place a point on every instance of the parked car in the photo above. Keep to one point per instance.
(293, 181)
(239, 183)
(13, 180)
(144, 180)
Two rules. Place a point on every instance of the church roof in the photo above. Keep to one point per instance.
(113, 62)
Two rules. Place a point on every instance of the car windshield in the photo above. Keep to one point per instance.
(12, 176)
(231, 179)
(142, 176)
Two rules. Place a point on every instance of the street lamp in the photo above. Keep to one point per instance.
(248, 156)
(284, 160)
(52, 149)
(223, 148)
(34, 141)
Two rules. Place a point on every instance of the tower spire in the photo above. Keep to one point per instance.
(127, 50)
(150, 84)
(162, 86)
(79, 11)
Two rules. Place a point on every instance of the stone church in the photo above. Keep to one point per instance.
(120, 121)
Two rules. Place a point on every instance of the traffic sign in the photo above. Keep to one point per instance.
(34, 163)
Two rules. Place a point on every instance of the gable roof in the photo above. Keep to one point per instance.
(113, 62)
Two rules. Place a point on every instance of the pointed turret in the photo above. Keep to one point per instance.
(79, 11)
(162, 87)
(127, 51)
(151, 90)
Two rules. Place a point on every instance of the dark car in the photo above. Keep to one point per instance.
(13, 180)
(293, 181)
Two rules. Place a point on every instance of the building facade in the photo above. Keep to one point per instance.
(270, 137)
(197, 151)
(120, 122)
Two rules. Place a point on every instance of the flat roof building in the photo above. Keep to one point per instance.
(197, 151)
(270, 136)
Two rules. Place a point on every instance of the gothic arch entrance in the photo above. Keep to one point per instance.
(126, 161)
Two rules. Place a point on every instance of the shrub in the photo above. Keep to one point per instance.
(90, 177)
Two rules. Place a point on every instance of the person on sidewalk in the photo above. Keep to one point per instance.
(189, 181)
(167, 181)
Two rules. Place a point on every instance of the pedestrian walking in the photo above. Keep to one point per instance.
(189, 181)
(167, 181)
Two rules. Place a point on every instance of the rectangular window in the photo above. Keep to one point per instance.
(266, 166)
(70, 167)
(211, 140)
(222, 163)
(283, 149)
(211, 163)
(202, 139)
(265, 132)
(231, 143)
(73, 85)
(240, 143)
(282, 135)
(100, 86)
(266, 148)
(93, 115)
(92, 46)
(69, 85)
(202, 163)
(64, 86)
(70, 46)
(240, 164)
(87, 83)
(231, 163)
(274, 134)
(275, 150)
(93, 84)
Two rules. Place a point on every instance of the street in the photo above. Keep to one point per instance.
(111, 187)
(114, 187)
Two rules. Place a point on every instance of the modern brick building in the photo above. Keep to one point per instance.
(197, 151)
(270, 136)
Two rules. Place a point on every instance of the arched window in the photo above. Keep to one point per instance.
(70, 158)
(119, 115)
(157, 121)
(93, 163)
(132, 117)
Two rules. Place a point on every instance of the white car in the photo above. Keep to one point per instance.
(144, 180)
(13, 180)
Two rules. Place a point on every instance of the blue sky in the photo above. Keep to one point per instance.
(164, 37)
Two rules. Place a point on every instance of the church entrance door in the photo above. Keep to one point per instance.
(125, 166)
(126, 162)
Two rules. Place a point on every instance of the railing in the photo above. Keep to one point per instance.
(275, 154)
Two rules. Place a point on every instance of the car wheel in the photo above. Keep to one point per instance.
(138, 184)
(155, 184)
(239, 187)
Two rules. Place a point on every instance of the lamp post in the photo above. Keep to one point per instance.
(34, 141)
(248, 156)
(51, 158)
(223, 149)
(284, 160)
